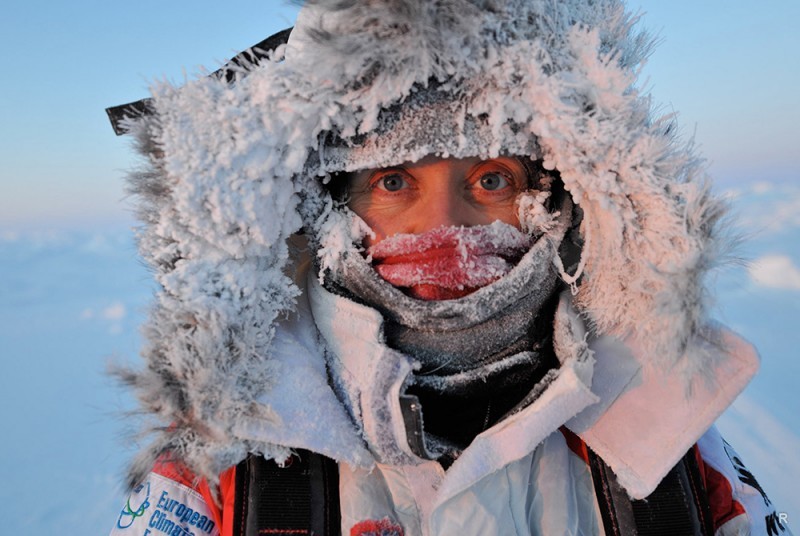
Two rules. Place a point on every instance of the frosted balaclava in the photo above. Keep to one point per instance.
(483, 348)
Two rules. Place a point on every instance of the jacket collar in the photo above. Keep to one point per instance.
(371, 377)
(640, 420)
(647, 418)
(302, 410)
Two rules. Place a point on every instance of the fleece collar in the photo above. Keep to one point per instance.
(640, 420)
(371, 377)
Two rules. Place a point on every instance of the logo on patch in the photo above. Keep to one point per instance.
(135, 507)
(381, 527)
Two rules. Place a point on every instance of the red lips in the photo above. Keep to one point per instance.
(449, 262)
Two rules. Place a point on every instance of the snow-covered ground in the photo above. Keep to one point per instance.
(71, 301)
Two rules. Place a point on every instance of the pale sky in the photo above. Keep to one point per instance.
(729, 68)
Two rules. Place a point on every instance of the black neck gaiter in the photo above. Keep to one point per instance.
(459, 403)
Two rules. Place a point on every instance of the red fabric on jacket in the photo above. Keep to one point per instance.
(220, 504)
(720, 494)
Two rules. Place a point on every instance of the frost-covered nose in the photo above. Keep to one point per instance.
(444, 203)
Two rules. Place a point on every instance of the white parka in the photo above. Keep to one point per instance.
(519, 477)
(237, 339)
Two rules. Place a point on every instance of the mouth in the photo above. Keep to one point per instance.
(449, 262)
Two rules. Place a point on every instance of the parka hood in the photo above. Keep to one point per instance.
(235, 170)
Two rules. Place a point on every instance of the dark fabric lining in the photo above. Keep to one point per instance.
(679, 505)
(300, 498)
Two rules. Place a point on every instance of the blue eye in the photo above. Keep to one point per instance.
(392, 183)
(493, 181)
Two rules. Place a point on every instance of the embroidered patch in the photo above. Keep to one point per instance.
(382, 527)
(162, 506)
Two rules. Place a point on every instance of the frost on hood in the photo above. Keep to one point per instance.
(233, 170)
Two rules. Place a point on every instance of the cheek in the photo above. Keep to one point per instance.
(382, 222)
(383, 225)
(506, 213)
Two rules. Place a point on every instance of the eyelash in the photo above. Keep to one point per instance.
(377, 180)
(509, 178)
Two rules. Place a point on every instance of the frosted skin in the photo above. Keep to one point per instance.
(448, 262)
(434, 198)
(417, 197)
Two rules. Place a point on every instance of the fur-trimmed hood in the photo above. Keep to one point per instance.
(235, 170)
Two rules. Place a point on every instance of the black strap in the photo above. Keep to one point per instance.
(301, 498)
(678, 506)
(240, 63)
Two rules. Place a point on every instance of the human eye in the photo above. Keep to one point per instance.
(498, 177)
(493, 181)
(390, 182)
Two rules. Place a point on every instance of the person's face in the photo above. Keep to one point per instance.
(434, 192)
